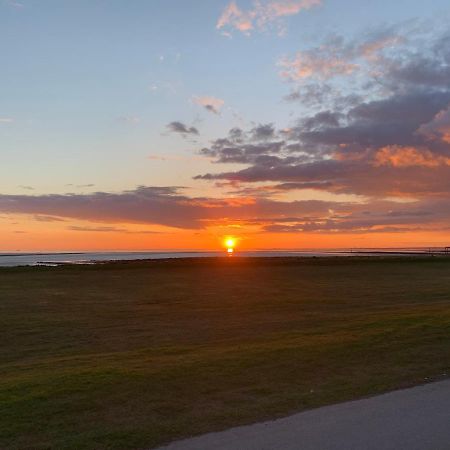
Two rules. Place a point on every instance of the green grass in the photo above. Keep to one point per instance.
(133, 355)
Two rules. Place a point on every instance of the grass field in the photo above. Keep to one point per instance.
(132, 355)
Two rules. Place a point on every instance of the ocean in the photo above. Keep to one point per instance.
(34, 259)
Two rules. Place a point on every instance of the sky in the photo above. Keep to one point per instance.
(171, 124)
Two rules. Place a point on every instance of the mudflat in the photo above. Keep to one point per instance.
(134, 355)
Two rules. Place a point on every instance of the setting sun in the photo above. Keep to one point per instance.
(230, 243)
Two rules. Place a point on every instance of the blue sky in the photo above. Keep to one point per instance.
(72, 69)
(88, 88)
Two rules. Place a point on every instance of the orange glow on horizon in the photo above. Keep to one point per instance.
(28, 234)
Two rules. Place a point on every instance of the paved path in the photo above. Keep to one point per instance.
(409, 419)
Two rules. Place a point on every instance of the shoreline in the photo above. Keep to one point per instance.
(93, 258)
(237, 260)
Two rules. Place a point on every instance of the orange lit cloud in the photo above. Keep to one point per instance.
(408, 156)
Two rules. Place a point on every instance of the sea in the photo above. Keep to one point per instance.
(53, 259)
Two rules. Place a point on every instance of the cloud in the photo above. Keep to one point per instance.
(182, 158)
(27, 188)
(398, 156)
(129, 119)
(41, 218)
(6, 120)
(81, 186)
(258, 145)
(108, 229)
(181, 128)
(151, 205)
(438, 128)
(262, 15)
(159, 205)
(306, 65)
(338, 57)
(169, 207)
(394, 141)
(233, 17)
(14, 4)
(211, 104)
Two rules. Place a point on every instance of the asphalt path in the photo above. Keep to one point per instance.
(410, 419)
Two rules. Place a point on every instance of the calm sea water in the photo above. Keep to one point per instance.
(33, 259)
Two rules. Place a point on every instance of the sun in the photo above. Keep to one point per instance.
(230, 243)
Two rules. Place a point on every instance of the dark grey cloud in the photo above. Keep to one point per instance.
(320, 95)
(322, 120)
(156, 205)
(181, 128)
(261, 145)
(263, 132)
(425, 62)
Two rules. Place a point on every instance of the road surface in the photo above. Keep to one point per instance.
(409, 419)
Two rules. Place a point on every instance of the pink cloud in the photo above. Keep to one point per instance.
(371, 50)
(336, 57)
(262, 14)
(211, 104)
(236, 18)
(288, 8)
(305, 65)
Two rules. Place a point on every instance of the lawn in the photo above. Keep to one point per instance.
(133, 355)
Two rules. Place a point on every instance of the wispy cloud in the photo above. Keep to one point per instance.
(183, 158)
(129, 119)
(14, 4)
(41, 218)
(262, 15)
(337, 57)
(82, 186)
(6, 120)
(210, 103)
(27, 188)
(108, 229)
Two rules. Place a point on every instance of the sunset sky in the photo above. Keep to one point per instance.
(170, 124)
